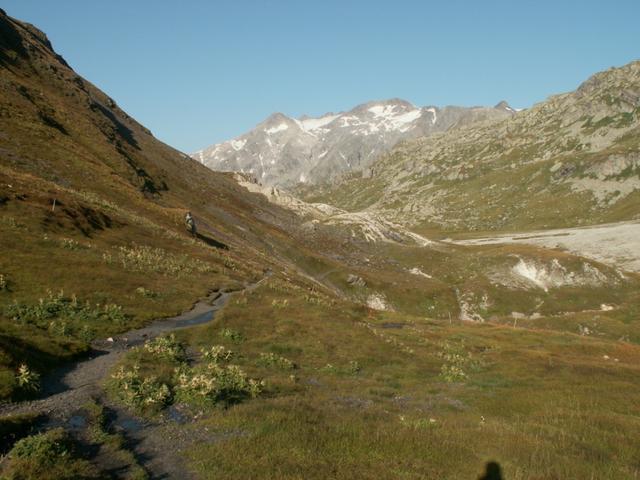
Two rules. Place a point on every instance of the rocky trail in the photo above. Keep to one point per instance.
(155, 443)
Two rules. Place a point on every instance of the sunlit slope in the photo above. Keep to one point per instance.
(571, 160)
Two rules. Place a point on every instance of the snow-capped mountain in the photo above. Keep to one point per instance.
(285, 151)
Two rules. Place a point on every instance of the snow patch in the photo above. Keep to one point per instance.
(409, 117)
(434, 114)
(278, 128)
(238, 144)
(350, 121)
(392, 120)
(382, 110)
(315, 123)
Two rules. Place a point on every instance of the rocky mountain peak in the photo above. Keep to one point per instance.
(285, 151)
(503, 105)
(582, 146)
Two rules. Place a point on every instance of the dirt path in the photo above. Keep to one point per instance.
(65, 390)
(616, 244)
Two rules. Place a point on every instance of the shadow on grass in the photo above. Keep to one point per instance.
(492, 472)
(212, 242)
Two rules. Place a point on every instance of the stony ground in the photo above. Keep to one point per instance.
(615, 244)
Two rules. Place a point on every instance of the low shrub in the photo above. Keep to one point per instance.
(418, 423)
(217, 354)
(70, 244)
(215, 383)
(280, 303)
(4, 283)
(144, 258)
(28, 380)
(165, 347)
(47, 456)
(146, 293)
(65, 316)
(277, 361)
(457, 361)
(232, 335)
(452, 373)
(140, 393)
(352, 368)
(316, 299)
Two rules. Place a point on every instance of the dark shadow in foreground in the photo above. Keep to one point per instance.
(492, 472)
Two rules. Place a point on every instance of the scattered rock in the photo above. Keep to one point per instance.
(417, 271)
(377, 301)
(584, 330)
(356, 281)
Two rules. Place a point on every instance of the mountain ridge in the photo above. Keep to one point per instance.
(581, 146)
(286, 151)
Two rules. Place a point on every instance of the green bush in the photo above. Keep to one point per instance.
(144, 258)
(352, 368)
(146, 292)
(232, 335)
(65, 316)
(277, 361)
(280, 303)
(140, 393)
(217, 354)
(4, 283)
(45, 446)
(457, 361)
(215, 383)
(28, 380)
(166, 347)
(46, 456)
(70, 244)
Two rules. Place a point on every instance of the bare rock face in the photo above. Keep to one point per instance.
(286, 151)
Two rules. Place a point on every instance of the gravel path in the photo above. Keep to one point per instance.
(616, 244)
(155, 443)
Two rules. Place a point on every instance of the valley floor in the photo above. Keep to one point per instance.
(616, 244)
(340, 390)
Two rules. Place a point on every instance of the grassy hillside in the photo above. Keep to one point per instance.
(92, 209)
(375, 394)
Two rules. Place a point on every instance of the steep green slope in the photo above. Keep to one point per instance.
(92, 205)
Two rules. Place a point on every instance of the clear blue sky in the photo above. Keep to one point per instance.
(199, 72)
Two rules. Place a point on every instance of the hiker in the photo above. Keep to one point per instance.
(191, 223)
